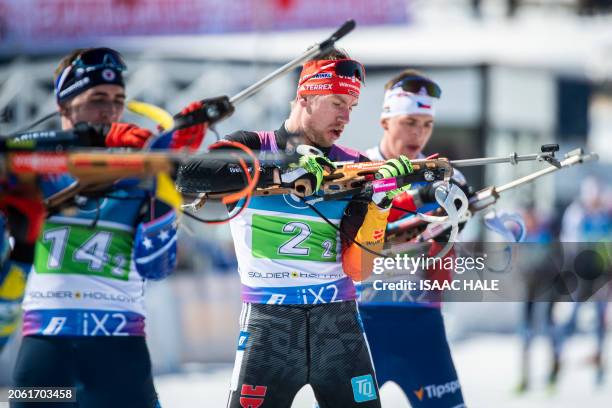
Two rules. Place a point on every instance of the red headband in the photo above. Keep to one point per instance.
(320, 78)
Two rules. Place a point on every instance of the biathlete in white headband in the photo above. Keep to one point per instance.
(417, 356)
(407, 118)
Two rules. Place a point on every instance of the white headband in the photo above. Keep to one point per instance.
(399, 102)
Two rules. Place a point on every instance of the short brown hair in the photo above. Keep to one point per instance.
(405, 74)
(67, 60)
(333, 54)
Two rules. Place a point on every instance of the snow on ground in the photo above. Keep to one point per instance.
(489, 371)
(488, 368)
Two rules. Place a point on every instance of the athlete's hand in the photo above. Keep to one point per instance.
(392, 168)
(192, 136)
(316, 165)
(402, 205)
(126, 135)
(395, 168)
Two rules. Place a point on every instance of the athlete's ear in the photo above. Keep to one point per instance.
(302, 101)
(63, 109)
(384, 123)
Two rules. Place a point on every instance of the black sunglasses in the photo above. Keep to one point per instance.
(350, 69)
(416, 85)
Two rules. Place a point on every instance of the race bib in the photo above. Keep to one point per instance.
(76, 249)
(287, 238)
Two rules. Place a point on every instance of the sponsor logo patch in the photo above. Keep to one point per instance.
(437, 390)
(363, 388)
(243, 338)
(252, 396)
(378, 234)
(322, 75)
(108, 75)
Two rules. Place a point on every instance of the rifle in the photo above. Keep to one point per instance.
(421, 229)
(344, 180)
(96, 169)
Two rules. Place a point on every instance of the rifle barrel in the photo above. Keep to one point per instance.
(570, 160)
(513, 159)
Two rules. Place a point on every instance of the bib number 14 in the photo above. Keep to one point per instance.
(94, 252)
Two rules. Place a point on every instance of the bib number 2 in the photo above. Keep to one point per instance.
(292, 247)
(283, 238)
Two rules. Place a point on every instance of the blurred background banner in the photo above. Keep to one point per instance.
(33, 25)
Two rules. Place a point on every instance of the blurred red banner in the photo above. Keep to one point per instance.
(34, 23)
